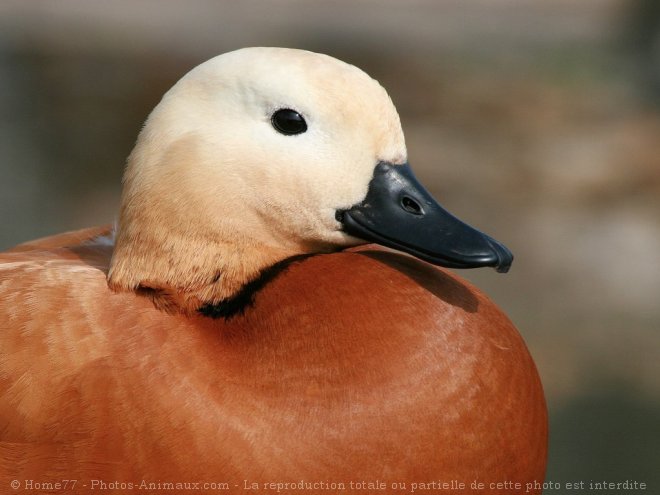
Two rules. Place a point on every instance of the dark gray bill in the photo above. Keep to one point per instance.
(399, 213)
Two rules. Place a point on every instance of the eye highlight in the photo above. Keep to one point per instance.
(288, 122)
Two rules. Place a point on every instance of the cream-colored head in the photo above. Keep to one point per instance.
(213, 193)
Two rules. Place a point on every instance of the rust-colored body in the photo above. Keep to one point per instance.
(363, 365)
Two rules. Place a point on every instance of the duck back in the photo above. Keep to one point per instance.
(362, 365)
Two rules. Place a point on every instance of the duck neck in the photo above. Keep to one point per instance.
(188, 273)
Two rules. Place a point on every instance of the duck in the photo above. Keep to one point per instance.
(275, 310)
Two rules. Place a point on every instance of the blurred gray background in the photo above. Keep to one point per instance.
(537, 121)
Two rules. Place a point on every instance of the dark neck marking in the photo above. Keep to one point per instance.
(238, 303)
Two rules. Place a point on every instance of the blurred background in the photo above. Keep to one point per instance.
(537, 121)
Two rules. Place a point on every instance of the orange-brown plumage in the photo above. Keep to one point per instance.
(358, 365)
(220, 336)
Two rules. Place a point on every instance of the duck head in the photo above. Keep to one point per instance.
(262, 154)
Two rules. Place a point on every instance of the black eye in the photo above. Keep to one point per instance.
(288, 122)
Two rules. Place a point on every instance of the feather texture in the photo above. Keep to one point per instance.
(358, 365)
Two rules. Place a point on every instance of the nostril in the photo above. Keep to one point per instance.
(411, 206)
